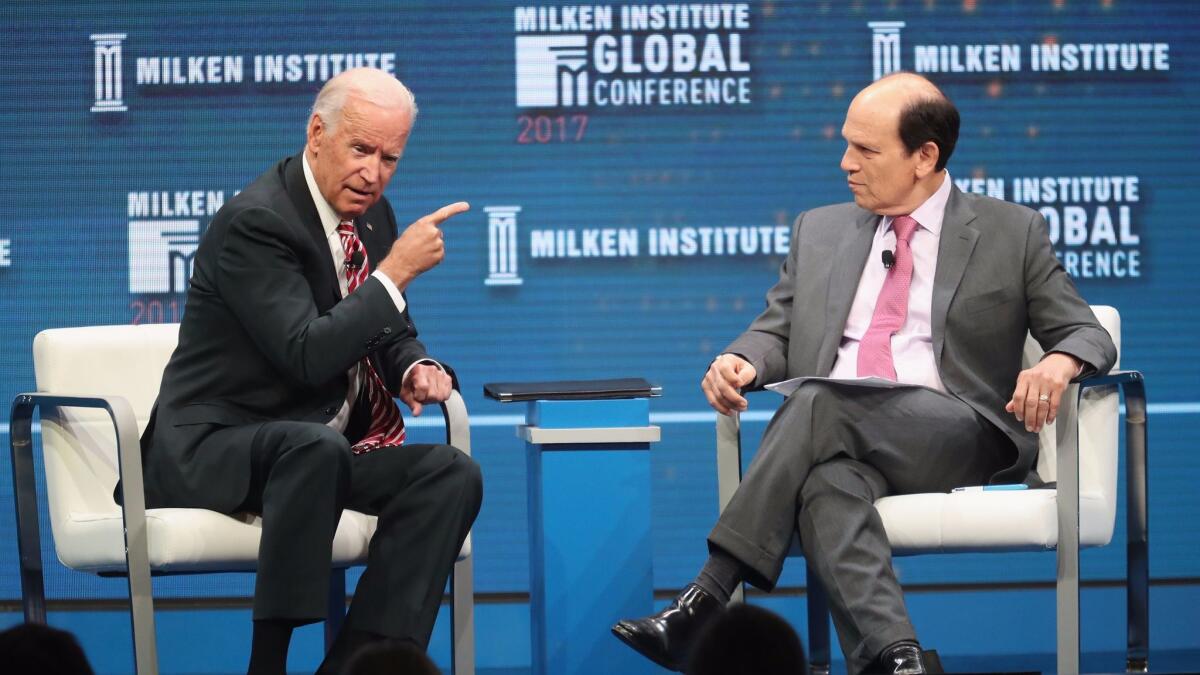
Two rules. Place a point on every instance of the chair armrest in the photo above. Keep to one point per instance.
(729, 457)
(1132, 385)
(129, 468)
(129, 450)
(729, 452)
(458, 425)
(1118, 377)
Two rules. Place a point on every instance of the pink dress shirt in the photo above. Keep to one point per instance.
(912, 345)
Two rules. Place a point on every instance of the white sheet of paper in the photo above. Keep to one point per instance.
(786, 387)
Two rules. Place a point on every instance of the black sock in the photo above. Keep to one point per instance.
(269, 646)
(347, 642)
(720, 575)
(900, 643)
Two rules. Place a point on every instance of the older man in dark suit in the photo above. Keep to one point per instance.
(278, 400)
(929, 291)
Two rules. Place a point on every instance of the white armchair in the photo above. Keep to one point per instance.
(96, 386)
(1079, 452)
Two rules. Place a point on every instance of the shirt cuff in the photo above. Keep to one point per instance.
(426, 362)
(1078, 369)
(397, 296)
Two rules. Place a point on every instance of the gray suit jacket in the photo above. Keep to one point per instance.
(997, 278)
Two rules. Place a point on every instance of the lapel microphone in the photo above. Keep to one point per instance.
(355, 261)
(889, 259)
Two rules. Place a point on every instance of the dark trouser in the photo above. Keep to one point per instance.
(302, 476)
(828, 453)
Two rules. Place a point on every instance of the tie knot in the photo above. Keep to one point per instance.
(346, 227)
(904, 226)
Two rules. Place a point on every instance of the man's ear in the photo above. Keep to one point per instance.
(927, 158)
(316, 133)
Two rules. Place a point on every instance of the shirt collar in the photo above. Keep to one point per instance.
(931, 213)
(329, 217)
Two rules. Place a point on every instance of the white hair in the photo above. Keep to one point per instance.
(369, 84)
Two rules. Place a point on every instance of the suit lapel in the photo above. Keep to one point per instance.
(848, 264)
(954, 250)
(368, 233)
(302, 200)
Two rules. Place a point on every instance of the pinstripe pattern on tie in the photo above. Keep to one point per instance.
(387, 426)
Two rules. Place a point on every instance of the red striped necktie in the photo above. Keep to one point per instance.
(387, 426)
(891, 307)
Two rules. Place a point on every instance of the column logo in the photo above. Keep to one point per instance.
(502, 246)
(161, 254)
(614, 56)
(1050, 55)
(885, 47)
(550, 71)
(109, 74)
(188, 71)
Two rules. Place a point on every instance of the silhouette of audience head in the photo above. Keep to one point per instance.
(390, 657)
(747, 640)
(34, 648)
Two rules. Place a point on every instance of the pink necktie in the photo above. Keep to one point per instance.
(387, 426)
(891, 307)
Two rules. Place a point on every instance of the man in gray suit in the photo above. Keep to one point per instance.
(930, 291)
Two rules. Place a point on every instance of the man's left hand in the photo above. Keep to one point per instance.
(425, 383)
(1039, 390)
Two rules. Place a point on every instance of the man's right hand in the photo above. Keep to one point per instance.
(727, 374)
(419, 247)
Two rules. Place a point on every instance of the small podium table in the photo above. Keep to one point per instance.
(589, 531)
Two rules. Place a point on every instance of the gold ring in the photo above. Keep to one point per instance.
(1044, 398)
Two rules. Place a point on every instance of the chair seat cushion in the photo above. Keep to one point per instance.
(463, 553)
(1025, 520)
(189, 540)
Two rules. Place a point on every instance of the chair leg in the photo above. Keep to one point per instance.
(462, 617)
(1067, 593)
(141, 605)
(141, 596)
(1067, 576)
(818, 625)
(335, 614)
(1137, 516)
(137, 555)
(29, 544)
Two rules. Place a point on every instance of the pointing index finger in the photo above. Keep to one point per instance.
(446, 212)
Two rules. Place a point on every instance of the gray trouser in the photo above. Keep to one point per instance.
(828, 453)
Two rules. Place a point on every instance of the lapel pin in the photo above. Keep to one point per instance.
(370, 227)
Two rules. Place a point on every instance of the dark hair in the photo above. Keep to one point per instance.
(747, 640)
(930, 119)
(390, 657)
(35, 648)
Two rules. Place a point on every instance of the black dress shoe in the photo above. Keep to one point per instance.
(666, 638)
(909, 659)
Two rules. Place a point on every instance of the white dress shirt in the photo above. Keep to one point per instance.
(330, 221)
(912, 345)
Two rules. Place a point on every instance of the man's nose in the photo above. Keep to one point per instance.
(848, 165)
(369, 169)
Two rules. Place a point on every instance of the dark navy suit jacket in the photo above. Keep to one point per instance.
(267, 336)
